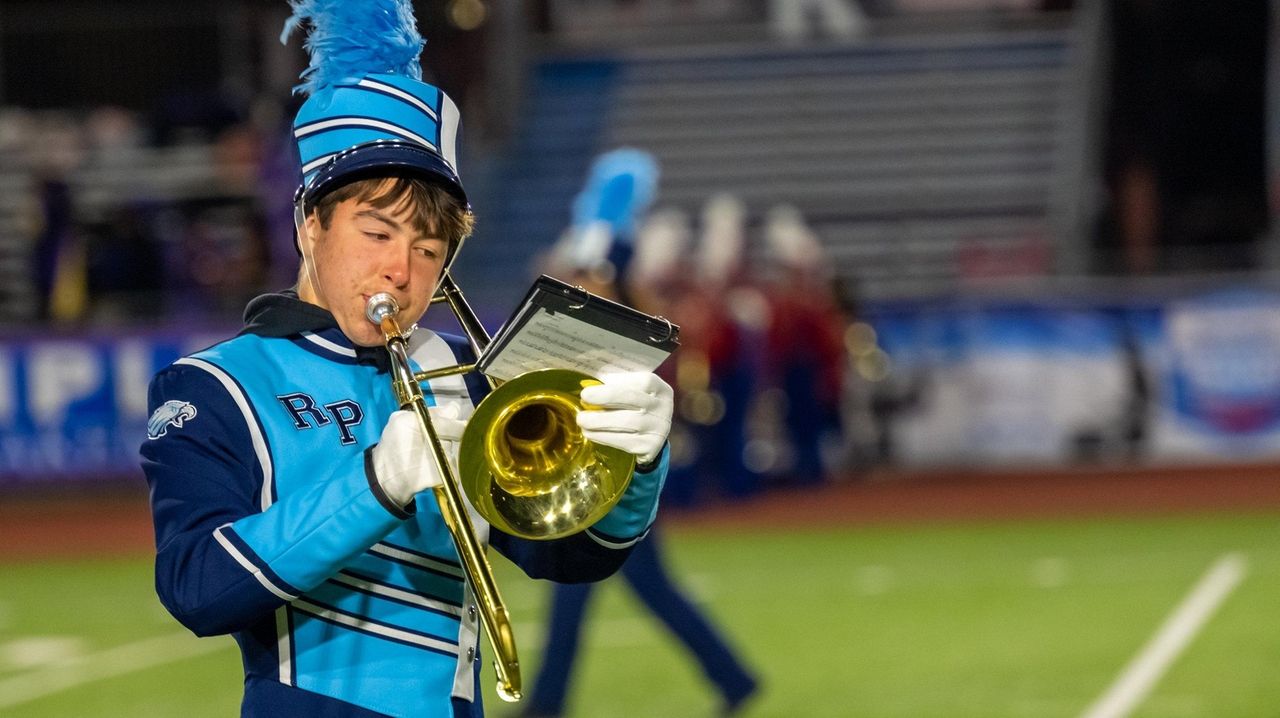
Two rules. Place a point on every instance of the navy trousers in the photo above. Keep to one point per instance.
(649, 579)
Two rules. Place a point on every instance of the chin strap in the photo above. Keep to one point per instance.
(304, 244)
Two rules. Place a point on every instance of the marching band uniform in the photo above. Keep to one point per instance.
(269, 527)
(274, 521)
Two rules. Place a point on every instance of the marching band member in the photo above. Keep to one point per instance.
(597, 253)
(291, 498)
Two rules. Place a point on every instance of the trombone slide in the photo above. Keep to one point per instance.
(493, 612)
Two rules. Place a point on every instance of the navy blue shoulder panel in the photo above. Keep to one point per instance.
(202, 470)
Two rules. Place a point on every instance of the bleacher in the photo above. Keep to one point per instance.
(522, 193)
(17, 285)
(159, 176)
(918, 156)
(910, 153)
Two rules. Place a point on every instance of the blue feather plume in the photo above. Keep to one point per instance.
(354, 38)
(619, 188)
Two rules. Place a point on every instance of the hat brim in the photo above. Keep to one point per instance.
(379, 159)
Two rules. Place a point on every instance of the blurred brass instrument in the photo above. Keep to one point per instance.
(523, 462)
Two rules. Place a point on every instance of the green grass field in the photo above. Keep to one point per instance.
(1016, 619)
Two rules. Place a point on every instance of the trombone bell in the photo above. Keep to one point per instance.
(525, 465)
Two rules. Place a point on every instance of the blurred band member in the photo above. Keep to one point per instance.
(805, 346)
(597, 252)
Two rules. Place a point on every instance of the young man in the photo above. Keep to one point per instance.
(292, 500)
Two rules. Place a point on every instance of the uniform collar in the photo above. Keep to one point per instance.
(284, 315)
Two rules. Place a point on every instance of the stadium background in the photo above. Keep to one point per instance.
(1046, 243)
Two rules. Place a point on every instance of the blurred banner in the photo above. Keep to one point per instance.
(977, 382)
(1220, 363)
(76, 408)
(1004, 383)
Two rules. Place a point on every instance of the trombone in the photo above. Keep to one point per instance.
(523, 462)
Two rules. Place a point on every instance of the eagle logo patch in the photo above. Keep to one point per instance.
(171, 413)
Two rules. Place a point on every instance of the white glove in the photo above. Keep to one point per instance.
(402, 461)
(634, 414)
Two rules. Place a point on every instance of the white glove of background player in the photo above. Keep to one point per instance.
(402, 461)
(634, 414)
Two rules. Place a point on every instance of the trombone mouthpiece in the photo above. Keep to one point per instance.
(380, 305)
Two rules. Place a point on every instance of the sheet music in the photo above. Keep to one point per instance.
(559, 326)
(560, 341)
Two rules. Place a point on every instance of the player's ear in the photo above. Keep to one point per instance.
(312, 225)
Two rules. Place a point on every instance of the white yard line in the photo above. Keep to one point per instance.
(1145, 670)
(130, 657)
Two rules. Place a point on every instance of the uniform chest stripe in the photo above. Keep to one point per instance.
(374, 628)
(413, 558)
(393, 593)
(328, 345)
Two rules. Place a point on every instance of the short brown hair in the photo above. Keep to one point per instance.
(436, 213)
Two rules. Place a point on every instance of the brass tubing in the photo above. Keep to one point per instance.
(430, 374)
(471, 326)
(493, 613)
